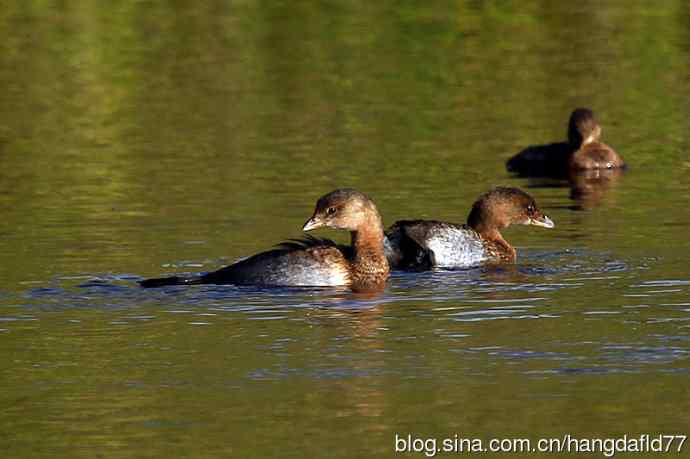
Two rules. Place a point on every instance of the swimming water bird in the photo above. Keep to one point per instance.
(583, 151)
(422, 244)
(313, 262)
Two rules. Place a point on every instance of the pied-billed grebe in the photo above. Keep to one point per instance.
(421, 244)
(313, 262)
(582, 151)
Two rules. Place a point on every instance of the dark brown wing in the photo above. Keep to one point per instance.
(308, 261)
(542, 160)
(407, 244)
(298, 262)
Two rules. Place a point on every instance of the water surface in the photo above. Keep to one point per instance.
(139, 139)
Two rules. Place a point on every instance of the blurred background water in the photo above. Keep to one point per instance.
(143, 138)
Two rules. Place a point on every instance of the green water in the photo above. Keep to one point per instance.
(144, 138)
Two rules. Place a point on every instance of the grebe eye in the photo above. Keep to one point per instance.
(530, 208)
(330, 210)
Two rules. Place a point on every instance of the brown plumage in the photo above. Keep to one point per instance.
(583, 151)
(420, 244)
(311, 261)
(353, 211)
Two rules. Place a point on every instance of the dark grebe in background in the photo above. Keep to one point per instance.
(313, 262)
(421, 244)
(582, 151)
